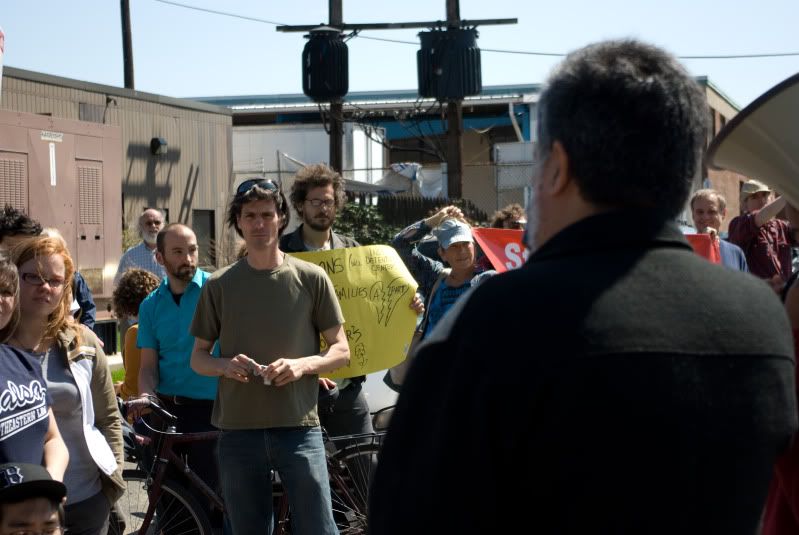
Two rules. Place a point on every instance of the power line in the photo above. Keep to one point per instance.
(493, 50)
(223, 13)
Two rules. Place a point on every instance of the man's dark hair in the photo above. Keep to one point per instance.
(316, 176)
(160, 238)
(632, 122)
(257, 193)
(14, 222)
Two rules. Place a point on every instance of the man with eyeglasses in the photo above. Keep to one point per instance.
(142, 256)
(316, 195)
(30, 501)
(267, 312)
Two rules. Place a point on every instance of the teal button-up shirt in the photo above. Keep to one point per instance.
(164, 327)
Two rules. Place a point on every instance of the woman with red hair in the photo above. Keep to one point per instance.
(78, 380)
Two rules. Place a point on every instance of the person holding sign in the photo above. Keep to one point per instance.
(266, 312)
(317, 194)
(709, 208)
(617, 382)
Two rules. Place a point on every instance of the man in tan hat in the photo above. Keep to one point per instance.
(765, 240)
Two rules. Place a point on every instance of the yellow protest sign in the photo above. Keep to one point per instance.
(375, 290)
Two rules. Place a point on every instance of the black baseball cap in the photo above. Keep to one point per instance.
(21, 481)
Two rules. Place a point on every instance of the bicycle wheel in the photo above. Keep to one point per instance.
(351, 470)
(177, 511)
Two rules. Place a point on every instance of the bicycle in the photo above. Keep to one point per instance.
(157, 504)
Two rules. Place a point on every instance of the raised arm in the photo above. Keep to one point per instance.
(424, 269)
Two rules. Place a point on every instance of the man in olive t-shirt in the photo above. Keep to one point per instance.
(267, 312)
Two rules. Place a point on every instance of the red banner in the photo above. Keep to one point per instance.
(705, 246)
(503, 247)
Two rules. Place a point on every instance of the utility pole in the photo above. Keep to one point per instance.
(327, 87)
(454, 122)
(336, 17)
(127, 43)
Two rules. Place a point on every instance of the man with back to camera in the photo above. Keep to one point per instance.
(708, 209)
(628, 386)
(266, 312)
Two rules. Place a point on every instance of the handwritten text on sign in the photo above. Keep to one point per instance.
(375, 290)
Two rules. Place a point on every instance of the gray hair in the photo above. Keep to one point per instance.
(633, 124)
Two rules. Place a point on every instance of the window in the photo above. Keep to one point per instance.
(204, 227)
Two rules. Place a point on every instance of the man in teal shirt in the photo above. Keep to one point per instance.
(166, 344)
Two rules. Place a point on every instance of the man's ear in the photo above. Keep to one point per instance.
(159, 257)
(558, 175)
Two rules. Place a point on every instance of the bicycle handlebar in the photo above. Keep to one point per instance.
(159, 410)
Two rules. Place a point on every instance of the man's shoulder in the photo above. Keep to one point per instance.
(340, 241)
(220, 274)
(291, 242)
(202, 277)
(303, 268)
(152, 298)
(133, 249)
(731, 247)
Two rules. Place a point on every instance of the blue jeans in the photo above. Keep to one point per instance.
(246, 458)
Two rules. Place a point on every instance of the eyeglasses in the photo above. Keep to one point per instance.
(263, 183)
(35, 279)
(316, 203)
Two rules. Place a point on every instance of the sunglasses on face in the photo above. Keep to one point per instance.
(35, 279)
(263, 183)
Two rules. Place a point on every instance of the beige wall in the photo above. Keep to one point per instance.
(196, 172)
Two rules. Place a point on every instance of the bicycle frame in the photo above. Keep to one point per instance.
(166, 455)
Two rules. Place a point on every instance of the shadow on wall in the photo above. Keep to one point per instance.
(147, 187)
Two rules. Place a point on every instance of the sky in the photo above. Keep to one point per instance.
(183, 52)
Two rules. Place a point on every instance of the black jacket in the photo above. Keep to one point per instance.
(617, 383)
(293, 242)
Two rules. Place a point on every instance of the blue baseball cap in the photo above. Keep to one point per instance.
(452, 231)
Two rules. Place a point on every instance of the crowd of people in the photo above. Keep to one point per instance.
(616, 383)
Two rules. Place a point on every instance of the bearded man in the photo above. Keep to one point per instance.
(166, 344)
(151, 221)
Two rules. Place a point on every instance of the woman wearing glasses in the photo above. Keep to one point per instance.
(24, 392)
(78, 381)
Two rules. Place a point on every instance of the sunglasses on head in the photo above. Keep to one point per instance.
(263, 183)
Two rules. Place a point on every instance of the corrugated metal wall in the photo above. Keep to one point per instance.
(196, 171)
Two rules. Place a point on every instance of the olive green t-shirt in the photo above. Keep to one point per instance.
(266, 314)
